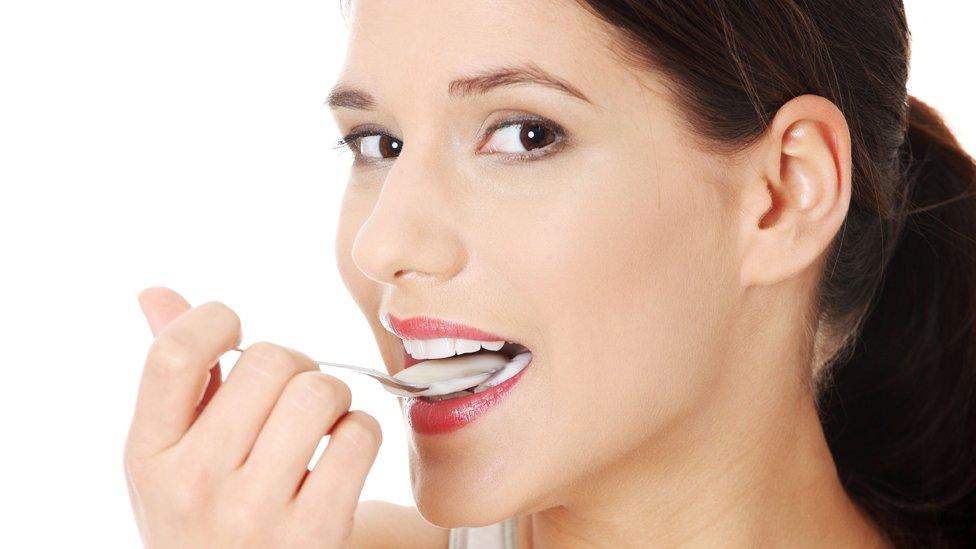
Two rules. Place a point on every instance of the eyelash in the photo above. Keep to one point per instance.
(350, 142)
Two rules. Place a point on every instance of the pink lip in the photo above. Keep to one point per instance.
(425, 327)
(431, 417)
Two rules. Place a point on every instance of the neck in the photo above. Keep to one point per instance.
(750, 468)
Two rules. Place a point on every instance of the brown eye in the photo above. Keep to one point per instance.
(379, 146)
(535, 136)
(522, 137)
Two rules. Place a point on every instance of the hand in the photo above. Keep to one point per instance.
(212, 464)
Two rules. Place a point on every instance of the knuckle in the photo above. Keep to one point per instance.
(268, 358)
(188, 492)
(170, 353)
(316, 392)
(225, 314)
(329, 388)
(361, 429)
(268, 350)
(185, 501)
(244, 514)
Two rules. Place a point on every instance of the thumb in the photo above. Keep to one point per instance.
(161, 305)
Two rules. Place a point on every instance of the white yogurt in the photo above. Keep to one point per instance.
(449, 375)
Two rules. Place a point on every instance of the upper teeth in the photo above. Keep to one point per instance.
(447, 346)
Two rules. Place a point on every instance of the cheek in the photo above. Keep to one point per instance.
(625, 277)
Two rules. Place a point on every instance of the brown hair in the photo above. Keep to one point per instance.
(896, 374)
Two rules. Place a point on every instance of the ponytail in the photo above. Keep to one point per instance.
(899, 411)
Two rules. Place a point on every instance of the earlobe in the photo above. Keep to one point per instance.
(808, 185)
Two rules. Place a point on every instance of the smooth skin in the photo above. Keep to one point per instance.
(667, 293)
(212, 464)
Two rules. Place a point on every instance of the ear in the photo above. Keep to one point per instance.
(799, 200)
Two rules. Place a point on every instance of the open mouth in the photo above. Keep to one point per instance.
(458, 355)
(455, 361)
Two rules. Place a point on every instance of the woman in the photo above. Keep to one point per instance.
(740, 255)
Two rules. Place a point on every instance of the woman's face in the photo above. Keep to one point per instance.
(609, 252)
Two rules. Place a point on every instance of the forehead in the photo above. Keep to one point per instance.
(432, 42)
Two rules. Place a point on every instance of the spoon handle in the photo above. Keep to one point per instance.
(378, 376)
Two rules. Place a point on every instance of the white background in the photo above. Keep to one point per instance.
(185, 144)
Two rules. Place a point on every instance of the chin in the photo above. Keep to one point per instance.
(449, 505)
(485, 471)
(465, 484)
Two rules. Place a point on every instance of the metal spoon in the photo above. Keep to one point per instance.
(385, 379)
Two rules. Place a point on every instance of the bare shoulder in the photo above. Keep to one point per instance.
(381, 524)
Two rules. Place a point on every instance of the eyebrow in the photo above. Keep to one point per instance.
(348, 97)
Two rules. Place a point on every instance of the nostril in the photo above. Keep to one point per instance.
(410, 274)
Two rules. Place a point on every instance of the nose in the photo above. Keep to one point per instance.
(411, 235)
